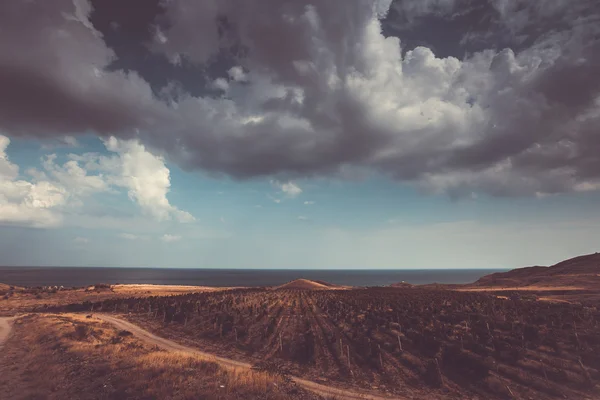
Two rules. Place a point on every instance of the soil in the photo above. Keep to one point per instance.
(405, 342)
(69, 356)
(170, 345)
(21, 299)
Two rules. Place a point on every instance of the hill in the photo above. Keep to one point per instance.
(5, 288)
(404, 285)
(305, 284)
(582, 272)
(9, 289)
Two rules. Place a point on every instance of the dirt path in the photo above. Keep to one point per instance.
(5, 327)
(229, 363)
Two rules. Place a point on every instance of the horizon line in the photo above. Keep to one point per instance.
(257, 268)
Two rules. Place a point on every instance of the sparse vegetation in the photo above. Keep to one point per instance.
(25, 299)
(60, 357)
(389, 338)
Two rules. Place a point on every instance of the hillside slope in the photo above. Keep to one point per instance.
(304, 284)
(582, 271)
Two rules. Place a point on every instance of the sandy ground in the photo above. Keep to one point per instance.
(5, 327)
(229, 363)
(162, 289)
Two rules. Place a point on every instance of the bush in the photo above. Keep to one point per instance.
(102, 286)
(467, 364)
(81, 332)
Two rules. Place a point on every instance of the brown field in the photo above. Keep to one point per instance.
(554, 294)
(532, 288)
(530, 333)
(17, 299)
(70, 356)
(411, 343)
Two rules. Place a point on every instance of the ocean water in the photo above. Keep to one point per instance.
(82, 276)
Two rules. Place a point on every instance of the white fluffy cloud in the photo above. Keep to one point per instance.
(290, 188)
(25, 203)
(73, 177)
(147, 179)
(42, 201)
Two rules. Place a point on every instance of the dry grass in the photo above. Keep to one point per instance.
(4, 287)
(21, 300)
(62, 356)
(532, 288)
(160, 290)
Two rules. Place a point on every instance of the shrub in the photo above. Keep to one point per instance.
(102, 286)
(81, 332)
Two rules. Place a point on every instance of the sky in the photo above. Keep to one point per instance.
(299, 134)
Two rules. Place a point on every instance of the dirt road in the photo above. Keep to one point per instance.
(228, 363)
(5, 327)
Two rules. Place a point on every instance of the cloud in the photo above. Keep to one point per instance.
(62, 85)
(237, 74)
(74, 178)
(221, 84)
(57, 189)
(128, 236)
(25, 203)
(290, 188)
(170, 238)
(319, 88)
(302, 218)
(81, 240)
(147, 179)
(61, 142)
(309, 203)
(274, 199)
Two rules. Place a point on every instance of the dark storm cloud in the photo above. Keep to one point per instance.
(461, 27)
(129, 27)
(53, 78)
(455, 95)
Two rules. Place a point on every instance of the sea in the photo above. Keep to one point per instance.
(83, 276)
